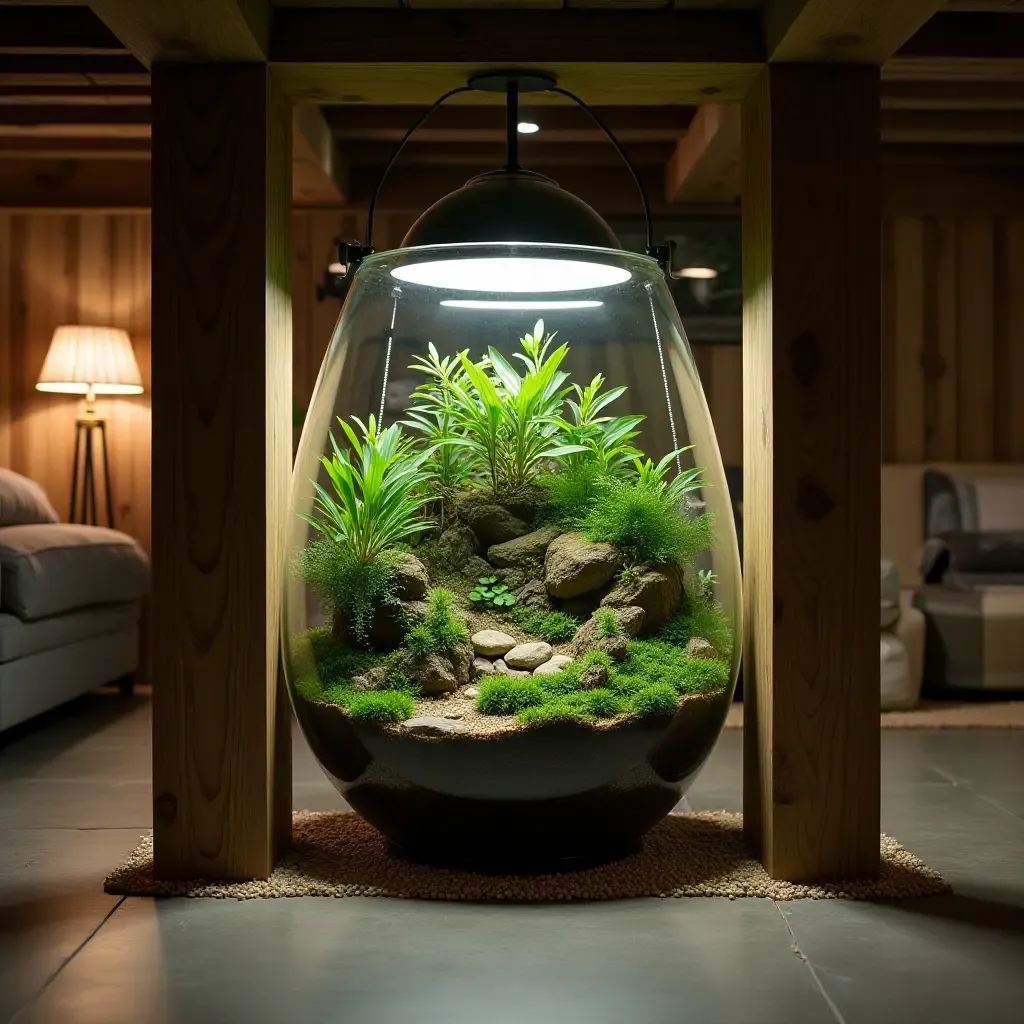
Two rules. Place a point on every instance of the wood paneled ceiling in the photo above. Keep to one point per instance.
(71, 94)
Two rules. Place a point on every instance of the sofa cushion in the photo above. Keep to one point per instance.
(52, 568)
(23, 501)
(20, 639)
(890, 610)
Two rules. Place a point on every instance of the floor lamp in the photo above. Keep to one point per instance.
(90, 361)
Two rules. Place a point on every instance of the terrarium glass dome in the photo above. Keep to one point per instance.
(512, 608)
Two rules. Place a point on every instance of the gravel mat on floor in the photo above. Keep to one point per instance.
(699, 854)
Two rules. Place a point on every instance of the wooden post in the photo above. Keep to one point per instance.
(811, 398)
(221, 452)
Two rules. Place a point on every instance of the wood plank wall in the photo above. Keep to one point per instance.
(953, 338)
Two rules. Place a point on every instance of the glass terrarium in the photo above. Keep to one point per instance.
(512, 610)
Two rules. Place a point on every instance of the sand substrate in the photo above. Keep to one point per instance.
(702, 854)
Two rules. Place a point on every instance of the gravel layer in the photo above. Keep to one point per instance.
(338, 854)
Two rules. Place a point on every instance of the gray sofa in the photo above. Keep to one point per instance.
(70, 599)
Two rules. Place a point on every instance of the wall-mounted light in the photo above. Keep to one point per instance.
(697, 273)
(528, 127)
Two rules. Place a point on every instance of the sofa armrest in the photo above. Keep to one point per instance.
(910, 628)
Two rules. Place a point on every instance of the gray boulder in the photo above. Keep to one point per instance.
(588, 638)
(698, 647)
(534, 595)
(371, 679)
(657, 590)
(411, 581)
(593, 676)
(527, 550)
(528, 656)
(493, 524)
(461, 657)
(574, 566)
(477, 567)
(481, 667)
(435, 674)
(457, 545)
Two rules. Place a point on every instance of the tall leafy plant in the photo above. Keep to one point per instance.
(379, 486)
(653, 477)
(510, 423)
(606, 440)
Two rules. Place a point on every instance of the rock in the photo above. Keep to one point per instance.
(476, 567)
(526, 502)
(523, 551)
(553, 665)
(434, 673)
(411, 581)
(593, 676)
(656, 590)
(388, 628)
(461, 657)
(431, 725)
(470, 691)
(514, 579)
(574, 565)
(529, 655)
(518, 673)
(492, 642)
(457, 545)
(499, 666)
(630, 619)
(534, 595)
(698, 647)
(481, 667)
(371, 679)
(339, 629)
(454, 715)
(584, 606)
(493, 524)
(416, 611)
(588, 638)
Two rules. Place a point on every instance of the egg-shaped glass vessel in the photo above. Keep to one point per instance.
(512, 607)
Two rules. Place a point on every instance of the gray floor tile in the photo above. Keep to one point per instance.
(394, 962)
(51, 900)
(915, 962)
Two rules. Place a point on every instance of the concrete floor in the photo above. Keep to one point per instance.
(74, 798)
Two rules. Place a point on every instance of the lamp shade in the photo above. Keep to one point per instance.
(84, 360)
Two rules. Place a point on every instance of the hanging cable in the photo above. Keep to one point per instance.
(397, 152)
(625, 159)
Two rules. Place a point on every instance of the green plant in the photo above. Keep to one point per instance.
(706, 580)
(704, 619)
(547, 714)
(658, 698)
(434, 417)
(652, 477)
(554, 627)
(630, 574)
(658, 661)
(600, 703)
(607, 622)
(378, 486)
(335, 665)
(381, 706)
(505, 695)
(569, 679)
(508, 423)
(646, 524)
(490, 592)
(346, 585)
(572, 492)
(605, 440)
(441, 629)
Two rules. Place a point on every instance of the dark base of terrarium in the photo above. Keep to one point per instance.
(521, 837)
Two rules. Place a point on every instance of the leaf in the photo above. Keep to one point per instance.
(475, 595)
(501, 588)
(488, 579)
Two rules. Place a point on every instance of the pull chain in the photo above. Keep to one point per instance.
(387, 356)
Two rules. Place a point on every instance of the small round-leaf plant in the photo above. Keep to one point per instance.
(490, 592)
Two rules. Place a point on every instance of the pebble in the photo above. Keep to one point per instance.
(529, 656)
(553, 666)
(431, 725)
(492, 642)
(471, 691)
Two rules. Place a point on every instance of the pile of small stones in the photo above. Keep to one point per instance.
(698, 854)
(497, 653)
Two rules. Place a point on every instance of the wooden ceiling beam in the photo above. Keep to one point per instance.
(189, 30)
(961, 95)
(976, 35)
(109, 69)
(68, 29)
(34, 147)
(705, 166)
(97, 114)
(319, 174)
(1001, 127)
(852, 31)
(616, 57)
(533, 152)
(86, 95)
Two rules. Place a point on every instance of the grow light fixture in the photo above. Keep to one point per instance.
(698, 273)
(512, 274)
(519, 304)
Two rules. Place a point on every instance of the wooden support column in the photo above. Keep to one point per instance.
(221, 453)
(811, 413)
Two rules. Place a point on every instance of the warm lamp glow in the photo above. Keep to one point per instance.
(523, 304)
(90, 361)
(699, 273)
(528, 127)
(512, 274)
